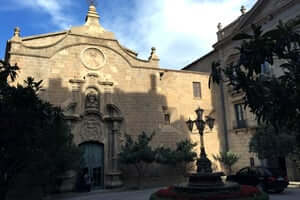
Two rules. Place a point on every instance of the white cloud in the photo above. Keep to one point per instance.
(56, 9)
(181, 30)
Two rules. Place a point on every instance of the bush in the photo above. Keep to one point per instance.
(178, 158)
(227, 159)
(138, 153)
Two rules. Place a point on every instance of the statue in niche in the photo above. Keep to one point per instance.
(92, 100)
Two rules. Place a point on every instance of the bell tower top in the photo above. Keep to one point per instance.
(92, 17)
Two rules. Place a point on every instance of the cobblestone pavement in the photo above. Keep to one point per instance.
(289, 194)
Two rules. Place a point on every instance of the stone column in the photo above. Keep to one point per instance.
(114, 176)
(115, 150)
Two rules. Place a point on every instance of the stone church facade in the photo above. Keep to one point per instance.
(239, 124)
(106, 91)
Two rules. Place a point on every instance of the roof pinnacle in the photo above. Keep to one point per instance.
(219, 26)
(153, 55)
(16, 37)
(92, 17)
(92, 2)
(243, 10)
(17, 32)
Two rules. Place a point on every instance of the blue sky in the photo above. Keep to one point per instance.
(181, 30)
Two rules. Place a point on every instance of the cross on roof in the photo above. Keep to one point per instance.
(92, 2)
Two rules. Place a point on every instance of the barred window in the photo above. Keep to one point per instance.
(197, 89)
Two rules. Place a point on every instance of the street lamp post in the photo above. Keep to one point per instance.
(203, 163)
(205, 180)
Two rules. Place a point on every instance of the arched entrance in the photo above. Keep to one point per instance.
(93, 160)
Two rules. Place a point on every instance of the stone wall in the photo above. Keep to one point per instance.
(266, 13)
(106, 91)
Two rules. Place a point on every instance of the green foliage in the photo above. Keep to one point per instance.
(179, 158)
(266, 144)
(138, 153)
(133, 152)
(184, 151)
(273, 98)
(227, 159)
(33, 134)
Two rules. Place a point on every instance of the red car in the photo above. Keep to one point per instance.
(261, 177)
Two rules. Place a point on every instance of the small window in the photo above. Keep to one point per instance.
(167, 118)
(167, 115)
(197, 89)
(240, 116)
(239, 111)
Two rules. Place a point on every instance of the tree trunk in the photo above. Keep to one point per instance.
(229, 170)
(139, 172)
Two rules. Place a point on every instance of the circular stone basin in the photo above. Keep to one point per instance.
(224, 187)
(206, 179)
(206, 183)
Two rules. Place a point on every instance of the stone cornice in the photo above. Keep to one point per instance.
(242, 28)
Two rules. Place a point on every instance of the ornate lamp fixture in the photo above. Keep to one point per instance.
(203, 163)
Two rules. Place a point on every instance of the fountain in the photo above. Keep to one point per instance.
(206, 184)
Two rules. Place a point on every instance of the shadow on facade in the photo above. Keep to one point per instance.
(100, 112)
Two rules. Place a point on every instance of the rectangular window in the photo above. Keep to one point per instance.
(240, 116)
(167, 118)
(197, 89)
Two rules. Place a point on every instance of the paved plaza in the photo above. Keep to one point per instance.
(289, 194)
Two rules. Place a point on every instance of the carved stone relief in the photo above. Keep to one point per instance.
(92, 58)
(92, 100)
(91, 129)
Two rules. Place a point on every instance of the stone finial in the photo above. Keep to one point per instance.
(153, 55)
(17, 32)
(219, 26)
(243, 10)
(16, 37)
(92, 17)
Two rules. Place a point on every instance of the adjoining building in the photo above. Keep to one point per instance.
(239, 123)
(106, 91)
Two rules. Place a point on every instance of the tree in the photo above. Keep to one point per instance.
(34, 136)
(138, 153)
(273, 98)
(268, 145)
(227, 159)
(179, 158)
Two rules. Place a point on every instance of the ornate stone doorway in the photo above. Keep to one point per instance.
(93, 160)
